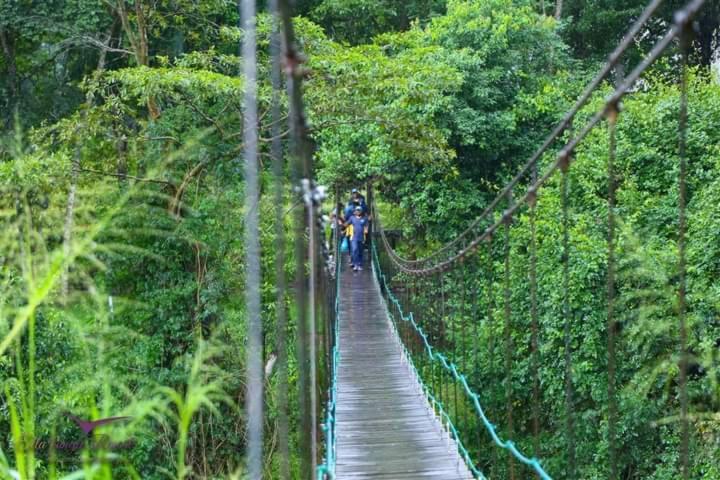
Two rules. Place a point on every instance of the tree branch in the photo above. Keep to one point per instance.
(100, 44)
(125, 176)
(207, 117)
(174, 206)
(119, 6)
(161, 137)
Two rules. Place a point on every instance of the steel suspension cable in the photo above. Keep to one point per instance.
(452, 322)
(476, 326)
(685, 39)
(490, 324)
(535, 361)
(507, 335)
(463, 336)
(313, 245)
(613, 59)
(301, 160)
(414, 308)
(280, 280)
(682, 18)
(612, 186)
(569, 408)
(440, 338)
(326, 471)
(254, 394)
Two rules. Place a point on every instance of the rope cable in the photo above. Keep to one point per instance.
(507, 336)
(613, 59)
(535, 361)
(569, 409)
(685, 39)
(683, 18)
(612, 186)
(279, 199)
(254, 394)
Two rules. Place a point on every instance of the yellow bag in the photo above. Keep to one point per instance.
(349, 231)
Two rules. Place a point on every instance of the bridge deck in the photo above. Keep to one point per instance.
(385, 428)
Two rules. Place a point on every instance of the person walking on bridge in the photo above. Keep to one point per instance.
(359, 224)
(355, 200)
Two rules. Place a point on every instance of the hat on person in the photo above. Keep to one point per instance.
(358, 208)
(354, 190)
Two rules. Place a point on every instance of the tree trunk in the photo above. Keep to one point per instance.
(8, 48)
(75, 172)
(139, 43)
(142, 42)
(403, 19)
(69, 221)
(121, 147)
(707, 37)
(558, 9)
(143, 56)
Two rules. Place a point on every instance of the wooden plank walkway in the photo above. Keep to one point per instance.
(385, 427)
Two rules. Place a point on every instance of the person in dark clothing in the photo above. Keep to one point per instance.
(357, 199)
(359, 224)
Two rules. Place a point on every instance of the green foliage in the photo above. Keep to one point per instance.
(505, 56)
(437, 103)
(43, 54)
(594, 28)
(646, 309)
(373, 111)
(357, 21)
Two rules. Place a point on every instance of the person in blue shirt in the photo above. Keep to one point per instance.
(360, 228)
(348, 212)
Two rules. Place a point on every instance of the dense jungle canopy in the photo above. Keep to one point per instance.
(121, 134)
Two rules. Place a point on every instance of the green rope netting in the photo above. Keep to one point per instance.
(458, 377)
(327, 469)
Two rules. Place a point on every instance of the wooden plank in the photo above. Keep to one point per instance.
(385, 428)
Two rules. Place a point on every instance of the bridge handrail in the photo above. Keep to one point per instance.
(326, 470)
(532, 462)
(469, 241)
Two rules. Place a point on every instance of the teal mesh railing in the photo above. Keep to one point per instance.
(450, 367)
(326, 470)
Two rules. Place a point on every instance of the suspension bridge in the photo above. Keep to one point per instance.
(385, 426)
(389, 378)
